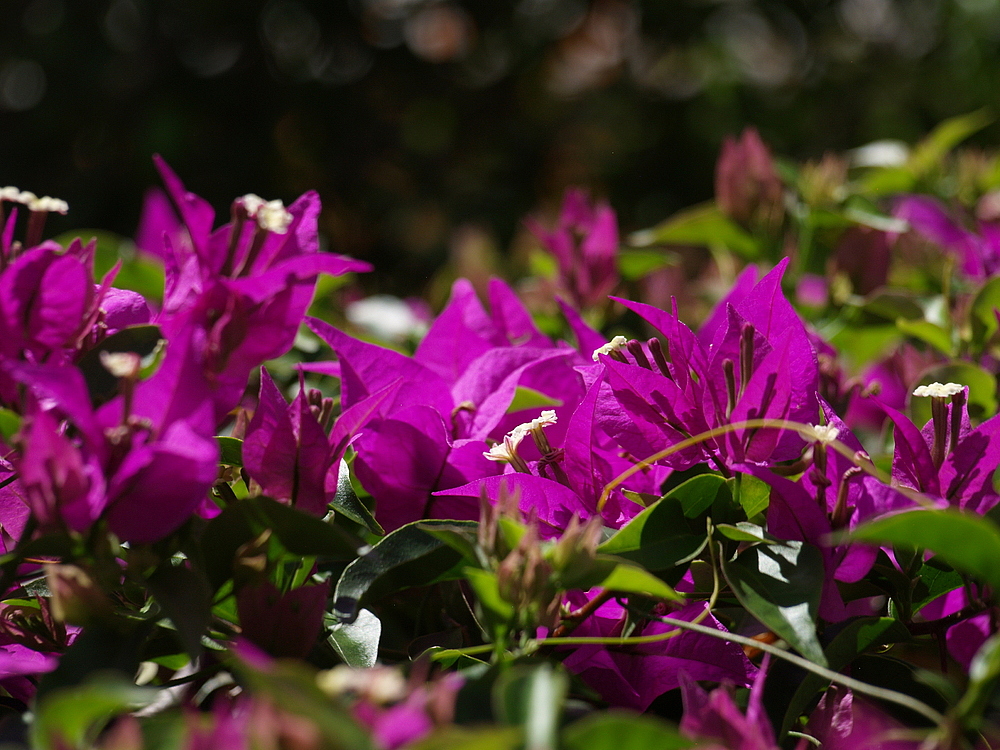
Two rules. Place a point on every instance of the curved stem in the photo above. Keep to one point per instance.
(892, 696)
(805, 430)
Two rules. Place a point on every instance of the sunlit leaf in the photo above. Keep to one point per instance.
(780, 585)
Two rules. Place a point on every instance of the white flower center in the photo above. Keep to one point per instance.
(939, 390)
(616, 344)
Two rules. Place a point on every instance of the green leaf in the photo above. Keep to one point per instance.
(452, 737)
(357, 642)
(703, 225)
(629, 579)
(303, 533)
(982, 317)
(746, 532)
(942, 139)
(104, 647)
(101, 384)
(10, 424)
(346, 502)
(487, 587)
(929, 333)
(186, 598)
(532, 697)
(462, 539)
(74, 717)
(780, 585)
(138, 272)
(660, 536)
(754, 494)
(529, 398)
(857, 637)
(298, 532)
(634, 264)
(617, 729)
(404, 558)
(230, 450)
(935, 578)
(967, 542)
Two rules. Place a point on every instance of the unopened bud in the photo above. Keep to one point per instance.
(76, 598)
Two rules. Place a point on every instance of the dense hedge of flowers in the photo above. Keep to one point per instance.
(584, 524)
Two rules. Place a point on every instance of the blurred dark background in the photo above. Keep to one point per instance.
(431, 125)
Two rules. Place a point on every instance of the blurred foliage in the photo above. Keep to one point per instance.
(431, 127)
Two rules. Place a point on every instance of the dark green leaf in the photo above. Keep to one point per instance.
(73, 717)
(100, 648)
(357, 642)
(936, 578)
(746, 532)
(406, 557)
(243, 521)
(660, 537)
(856, 638)
(346, 502)
(780, 585)
(230, 450)
(303, 533)
(462, 539)
(967, 542)
(616, 729)
(186, 598)
(101, 384)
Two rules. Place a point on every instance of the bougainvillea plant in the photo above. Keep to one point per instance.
(732, 486)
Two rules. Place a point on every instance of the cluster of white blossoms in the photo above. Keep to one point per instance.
(506, 450)
(270, 215)
(26, 198)
(939, 390)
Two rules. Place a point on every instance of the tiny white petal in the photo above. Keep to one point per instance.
(939, 390)
(617, 343)
(819, 433)
(9, 194)
(273, 217)
(48, 204)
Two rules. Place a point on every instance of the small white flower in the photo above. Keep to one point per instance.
(547, 417)
(823, 434)
(9, 193)
(939, 390)
(121, 364)
(616, 344)
(273, 217)
(48, 204)
(506, 451)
